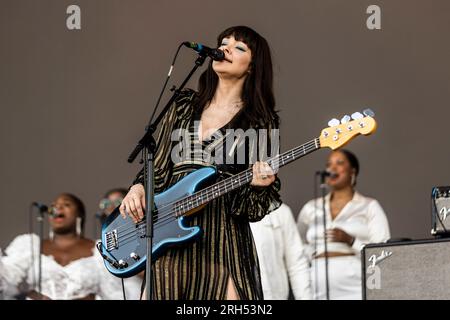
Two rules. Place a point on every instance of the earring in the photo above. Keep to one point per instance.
(353, 180)
(78, 230)
(51, 235)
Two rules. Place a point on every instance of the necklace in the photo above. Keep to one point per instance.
(235, 104)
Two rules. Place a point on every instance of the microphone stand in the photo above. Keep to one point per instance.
(40, 220)
(147, 144)
(323, 188)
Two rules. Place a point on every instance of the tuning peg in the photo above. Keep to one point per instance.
(357, 115)
(345, 119)
(333, 122)
(369, 113)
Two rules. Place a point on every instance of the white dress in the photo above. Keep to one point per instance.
(77, 279)
(362, 218)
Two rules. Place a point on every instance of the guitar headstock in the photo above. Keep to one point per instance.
(341, 132)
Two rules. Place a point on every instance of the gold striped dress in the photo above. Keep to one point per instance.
(200, 270)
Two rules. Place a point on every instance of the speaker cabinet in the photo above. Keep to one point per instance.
(440, 211)
(418, 270)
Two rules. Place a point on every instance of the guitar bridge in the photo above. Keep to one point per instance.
(111, 240)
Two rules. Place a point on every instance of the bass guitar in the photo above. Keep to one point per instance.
(123, 242)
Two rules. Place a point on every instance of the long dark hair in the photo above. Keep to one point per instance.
(352, 159)
(257, 93)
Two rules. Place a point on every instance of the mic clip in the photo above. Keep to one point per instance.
(43, 209)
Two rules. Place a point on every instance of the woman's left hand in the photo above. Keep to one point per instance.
(338, 235)
(263, 175)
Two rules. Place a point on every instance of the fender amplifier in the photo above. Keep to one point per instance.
(418, 270)
(440, 211)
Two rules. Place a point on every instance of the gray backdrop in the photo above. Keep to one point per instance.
(74, 102)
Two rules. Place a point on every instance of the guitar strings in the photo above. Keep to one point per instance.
(245, 175)
(208, 191)
(168, 217)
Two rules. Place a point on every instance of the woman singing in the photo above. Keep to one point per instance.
(352, 220)
(71, 267)
(235, 93)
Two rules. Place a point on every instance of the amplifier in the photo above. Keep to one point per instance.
(440, 211)
(418, 269)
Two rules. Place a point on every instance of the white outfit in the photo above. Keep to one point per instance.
(362, 218)
(281, 256)
(78, 279)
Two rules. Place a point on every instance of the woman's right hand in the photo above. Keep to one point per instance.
(134, 203)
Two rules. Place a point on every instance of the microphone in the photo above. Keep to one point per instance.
(326, 173)
(215, 54)
(44, 209)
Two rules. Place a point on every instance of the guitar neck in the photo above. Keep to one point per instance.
(224, 186)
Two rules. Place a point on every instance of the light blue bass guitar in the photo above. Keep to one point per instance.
(123, 243)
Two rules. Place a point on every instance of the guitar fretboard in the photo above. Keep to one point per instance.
(224, 186)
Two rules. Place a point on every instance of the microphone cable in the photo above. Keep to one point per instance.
(30, 232)
(123, 290)
(169, 74)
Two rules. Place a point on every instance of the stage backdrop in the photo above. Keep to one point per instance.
(74, 102)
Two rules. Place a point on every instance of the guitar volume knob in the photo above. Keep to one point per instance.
(122, 264)
(134, 256)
